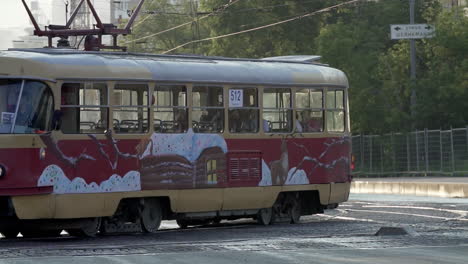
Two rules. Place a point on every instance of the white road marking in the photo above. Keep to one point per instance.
(460, 212)
(418, 215)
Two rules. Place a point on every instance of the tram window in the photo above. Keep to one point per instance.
(131, 111)
(309, 110)
(207, 109)
(277, 111)
(32, 113)
(170, 109)
(335, 111)
(243, 112)
(84, 108)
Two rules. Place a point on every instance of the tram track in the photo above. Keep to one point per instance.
(278, 244)
(350, 226)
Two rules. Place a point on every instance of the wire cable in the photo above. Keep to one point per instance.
(265, 26)
(185, 24)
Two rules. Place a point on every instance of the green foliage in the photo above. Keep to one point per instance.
(354, 44)
(441, 86)
(296, 37)
(162, 15)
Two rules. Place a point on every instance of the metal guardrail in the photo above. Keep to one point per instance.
(418, 153)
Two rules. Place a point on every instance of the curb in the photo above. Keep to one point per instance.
(452, 190)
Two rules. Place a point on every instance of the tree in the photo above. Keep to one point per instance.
(296, 37)
(158, 16)
(441, 85)
(353, 41)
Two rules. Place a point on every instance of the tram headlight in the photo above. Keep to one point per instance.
(2, 171)
(42, 154)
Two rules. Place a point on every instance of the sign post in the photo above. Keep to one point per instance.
(412, 31)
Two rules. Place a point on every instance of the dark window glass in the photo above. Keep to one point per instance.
(243, 115)
(309, 110)
(170, 109)
(131, 111)
(207, 109)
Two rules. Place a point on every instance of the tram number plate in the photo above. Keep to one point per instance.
(235, 97)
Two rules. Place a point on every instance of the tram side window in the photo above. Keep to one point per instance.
(309, 110)
(243, 110)
(170, 109)
(131, 111)
(84, 108)
(335, 114)
(277, 111)
(32, 113)
(207, 109)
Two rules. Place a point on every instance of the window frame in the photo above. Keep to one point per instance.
(312, 109)
(80, 107)
(336, 110)
(229, 108)
(154, 106)
(290, 109)
(201, 108)
(137, 106)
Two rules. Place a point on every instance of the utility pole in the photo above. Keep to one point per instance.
(412, 63)
(66, 11)
(195, 26)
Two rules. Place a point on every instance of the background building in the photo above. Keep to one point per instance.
(122, 9)
(26, 39)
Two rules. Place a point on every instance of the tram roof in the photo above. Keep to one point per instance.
(59, 64)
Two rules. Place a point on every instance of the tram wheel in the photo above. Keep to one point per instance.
(90, 228)
(151, 216)
(295, 211)
(265, 216)
(10, 233)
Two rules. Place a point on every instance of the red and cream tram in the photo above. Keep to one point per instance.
(100, 142)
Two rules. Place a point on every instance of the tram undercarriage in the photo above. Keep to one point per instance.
(135, 215)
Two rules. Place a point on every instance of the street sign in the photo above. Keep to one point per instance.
(412, 31)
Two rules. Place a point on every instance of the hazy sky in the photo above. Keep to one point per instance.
(14, 14)
(14, 19)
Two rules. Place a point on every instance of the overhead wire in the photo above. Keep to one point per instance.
(187, 23)
(261, 8)
(265, 26)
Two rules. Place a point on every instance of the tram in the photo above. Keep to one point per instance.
(98, 142)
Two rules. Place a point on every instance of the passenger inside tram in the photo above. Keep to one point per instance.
(180, 124)
(234, 121)
(312, 121)
(298, 124)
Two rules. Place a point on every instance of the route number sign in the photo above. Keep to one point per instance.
(235, 97)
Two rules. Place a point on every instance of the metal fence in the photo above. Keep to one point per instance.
(419, 153)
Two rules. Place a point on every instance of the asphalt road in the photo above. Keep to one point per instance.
(437, 232)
